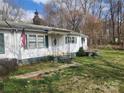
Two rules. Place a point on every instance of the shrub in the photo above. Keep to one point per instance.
(80, 52)
(50, 58)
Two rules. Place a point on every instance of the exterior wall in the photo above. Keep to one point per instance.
(62, 47)
(58, 48)
(8, 44)
(85, 45)
(13, 47)
(27, 53)
(72, 48)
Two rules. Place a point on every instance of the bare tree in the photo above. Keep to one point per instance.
(89, 17)
(67, 13)
(10, 11)
(119, 19)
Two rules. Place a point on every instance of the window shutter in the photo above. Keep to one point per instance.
(46, 41)
(2, 49)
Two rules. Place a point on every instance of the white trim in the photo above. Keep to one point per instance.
(28, 35)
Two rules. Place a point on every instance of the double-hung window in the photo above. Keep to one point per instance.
(2, 48)
(32, 43)
(40, 41)
(66, 40)
(73, 40)
(35, 41)
(69, 40)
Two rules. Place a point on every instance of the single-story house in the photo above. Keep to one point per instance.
(23, 41)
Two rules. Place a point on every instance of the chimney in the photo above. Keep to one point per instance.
(36, 19)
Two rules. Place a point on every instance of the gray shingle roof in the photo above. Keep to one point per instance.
(32, 27)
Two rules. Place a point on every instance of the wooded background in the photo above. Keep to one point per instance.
(101, 20)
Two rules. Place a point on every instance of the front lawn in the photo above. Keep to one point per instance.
(36, 67)
(102, 74)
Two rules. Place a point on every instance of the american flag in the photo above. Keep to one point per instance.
(23, 39)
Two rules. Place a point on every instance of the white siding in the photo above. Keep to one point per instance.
(62, 47)
(29, 53)
(13, 47)
(85, 46)
(8, 44)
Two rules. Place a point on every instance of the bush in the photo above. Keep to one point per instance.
(80, 52)
(50, 58)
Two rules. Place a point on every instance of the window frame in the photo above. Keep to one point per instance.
(29, 41)
(43, 42)
(70, 40)
(37, 46)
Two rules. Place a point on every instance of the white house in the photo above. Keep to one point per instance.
(27, 41)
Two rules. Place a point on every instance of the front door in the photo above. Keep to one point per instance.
(55, 42)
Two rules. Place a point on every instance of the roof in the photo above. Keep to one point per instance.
(79, 34)
(37, 28)
(29, 26)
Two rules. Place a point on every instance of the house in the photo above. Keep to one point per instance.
(26, 42)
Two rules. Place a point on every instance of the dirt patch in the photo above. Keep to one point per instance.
(39, 74)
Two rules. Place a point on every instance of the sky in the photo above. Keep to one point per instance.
(30, 6)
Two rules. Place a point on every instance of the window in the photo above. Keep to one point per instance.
(66, 40)
(2, 49)
(35, 41)
(70, 40)
(46, 41)
(32, 41)
(73, 41)
(40, 41)
(82, 40)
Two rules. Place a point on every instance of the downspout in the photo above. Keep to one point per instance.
(8, 24)
(15, 38)
(15, 44)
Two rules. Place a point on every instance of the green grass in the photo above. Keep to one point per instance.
(102, 74)
(31, 86)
